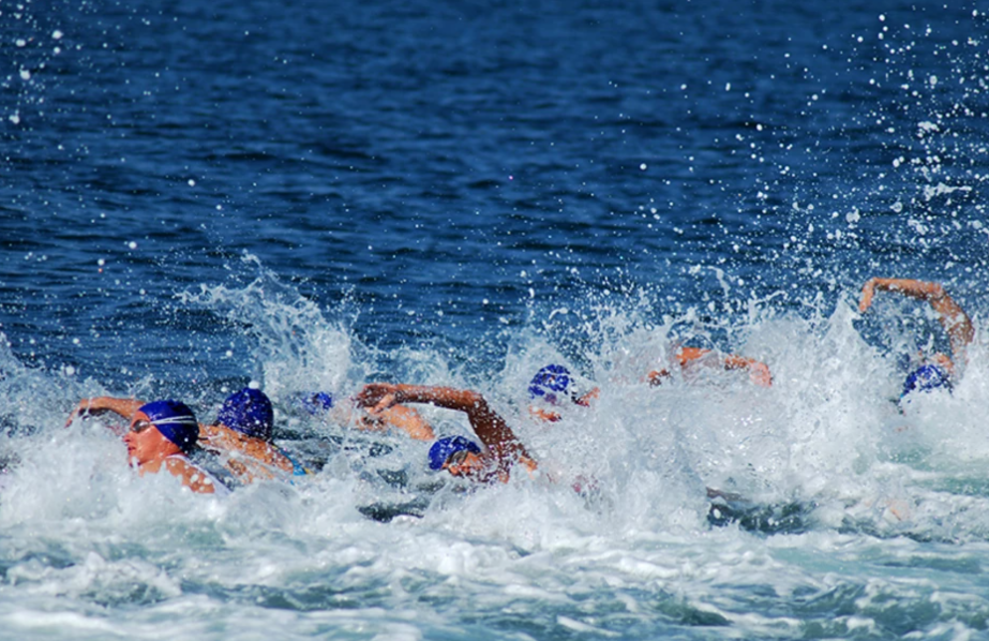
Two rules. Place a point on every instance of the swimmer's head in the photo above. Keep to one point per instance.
(175, 421)
(446, 447)
(926, 378)
(316, 403)
(249, 412)
(550, 383)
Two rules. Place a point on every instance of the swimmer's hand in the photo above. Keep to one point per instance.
(586, 399)
(543, 415)
(759, 374)
(79, 411)
(377, 397)
(868, 292)
(125, 407)
(658, 377)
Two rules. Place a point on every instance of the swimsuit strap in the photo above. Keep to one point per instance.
(297, 468)
(207, 463)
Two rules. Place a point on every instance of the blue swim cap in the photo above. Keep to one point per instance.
(926, 378)
(175, 421)
(316, 402)
(548, 380)
(448, 445)
(248, 411)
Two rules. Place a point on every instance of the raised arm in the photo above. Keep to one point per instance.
(488, 425)
(125, 407)
(952, 317)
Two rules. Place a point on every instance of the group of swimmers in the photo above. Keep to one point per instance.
(165, 435)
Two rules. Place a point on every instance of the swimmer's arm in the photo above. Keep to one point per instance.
(406, 418)
(544, 415)
(398, 416)
(919, 289)
(688, 355)
(952, 317)
(758, 371)
(488, 425)
(685, 356)
(658, 377)
(586, 399)
(125, 407)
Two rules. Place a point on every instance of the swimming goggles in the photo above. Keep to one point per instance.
(139, 425)
(457, 458)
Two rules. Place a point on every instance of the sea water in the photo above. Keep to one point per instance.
(312, 196)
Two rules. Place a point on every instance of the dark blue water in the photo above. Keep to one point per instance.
(191, 193)
(424, 158)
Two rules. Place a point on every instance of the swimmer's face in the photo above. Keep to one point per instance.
(145, 443)
(464, 463)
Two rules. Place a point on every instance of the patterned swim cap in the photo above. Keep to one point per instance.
(316, 402)
(926, 378)
(175, 421)
(448, 445)
(548, 381)
(249, 412)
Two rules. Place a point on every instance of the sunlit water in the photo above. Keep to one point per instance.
(314, 197)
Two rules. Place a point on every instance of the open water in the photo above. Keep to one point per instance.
(313, 195)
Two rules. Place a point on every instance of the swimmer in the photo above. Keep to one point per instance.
(937, 370)
(551, 384)
(493, 460)
(399, 417)
(241, 437)
(550, 387)
(689, 358)
(161, 434)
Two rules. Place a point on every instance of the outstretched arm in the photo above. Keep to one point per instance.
(758, 371)
(404, 418)
(488, 425)
(952, 317)
(125, 407)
